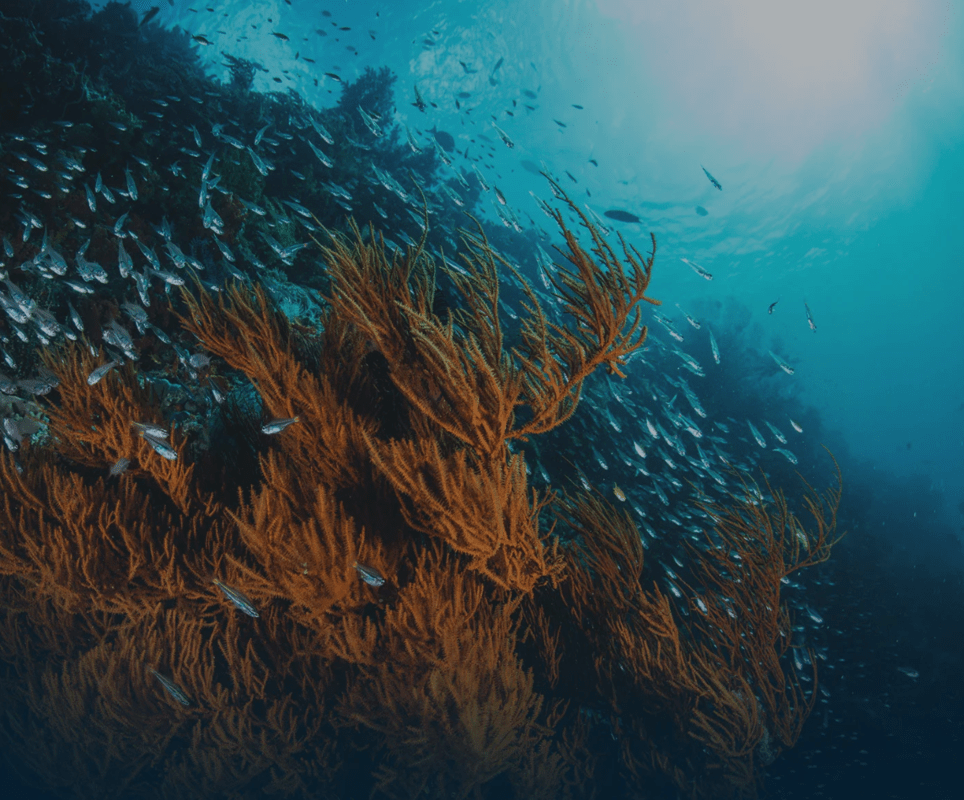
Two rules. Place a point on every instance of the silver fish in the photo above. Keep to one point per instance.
(786, 454)
(781, 363)
(172, 688)
(163, 449)
(370, 575)
(277, 425)
(321, 156)
(124, 262)
(150, 429)
(758, 437)
(697, 269)
(504, 136)
(259, 163)
(100, 372)
(131, 186)
(714, 348)
(238, 599)
(119, 467)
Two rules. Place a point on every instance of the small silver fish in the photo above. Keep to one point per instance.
(781, 363)
(172, 688)
(131, 186)
(238, 599)
(786, 454)
(150, 429)
(119, 467)
(697, 269)
(162, 448)
(370, 575)
(100, 372)
(757, 436)
(776, 432)
(277, 425)
(504, 136)
(714, 348)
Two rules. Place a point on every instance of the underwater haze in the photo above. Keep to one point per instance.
(832, 128)
(793, 174)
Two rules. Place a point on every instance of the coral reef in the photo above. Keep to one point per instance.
(392, 617)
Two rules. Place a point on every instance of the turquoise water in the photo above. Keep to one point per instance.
(807, 158)
(835, 134)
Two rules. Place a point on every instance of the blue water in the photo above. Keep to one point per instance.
(834, 130)
(834, 133)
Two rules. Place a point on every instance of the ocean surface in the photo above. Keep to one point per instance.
(800, 166)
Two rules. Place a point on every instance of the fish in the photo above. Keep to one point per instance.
(620, 216)
(280, 36)
(100, 372)
(131, 186)
(168, 277)
(619, 494)
(781, 363)
(786, 454)
(701, 211)
(238, 599)
(172, 688)
(504, 136)
(776, 432)
(200, 38)
(370, 575)
(119, 467)
(119, 225)
(757, 436)
(809, 318)
(796, 426)
(772, 306)
(152, 12)
(697, 269)
(277, 425)
(150, 429)
(160, 447)
(419, 102)
(124, 262)
(260, 164)
(370, 122)
(446, 140)
(713, 180)
(714, 348)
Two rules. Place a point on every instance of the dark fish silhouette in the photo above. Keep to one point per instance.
(701, 211)
(419, 102)
(713, 180)
(152, 12)
(446, 140)
(621, 216)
